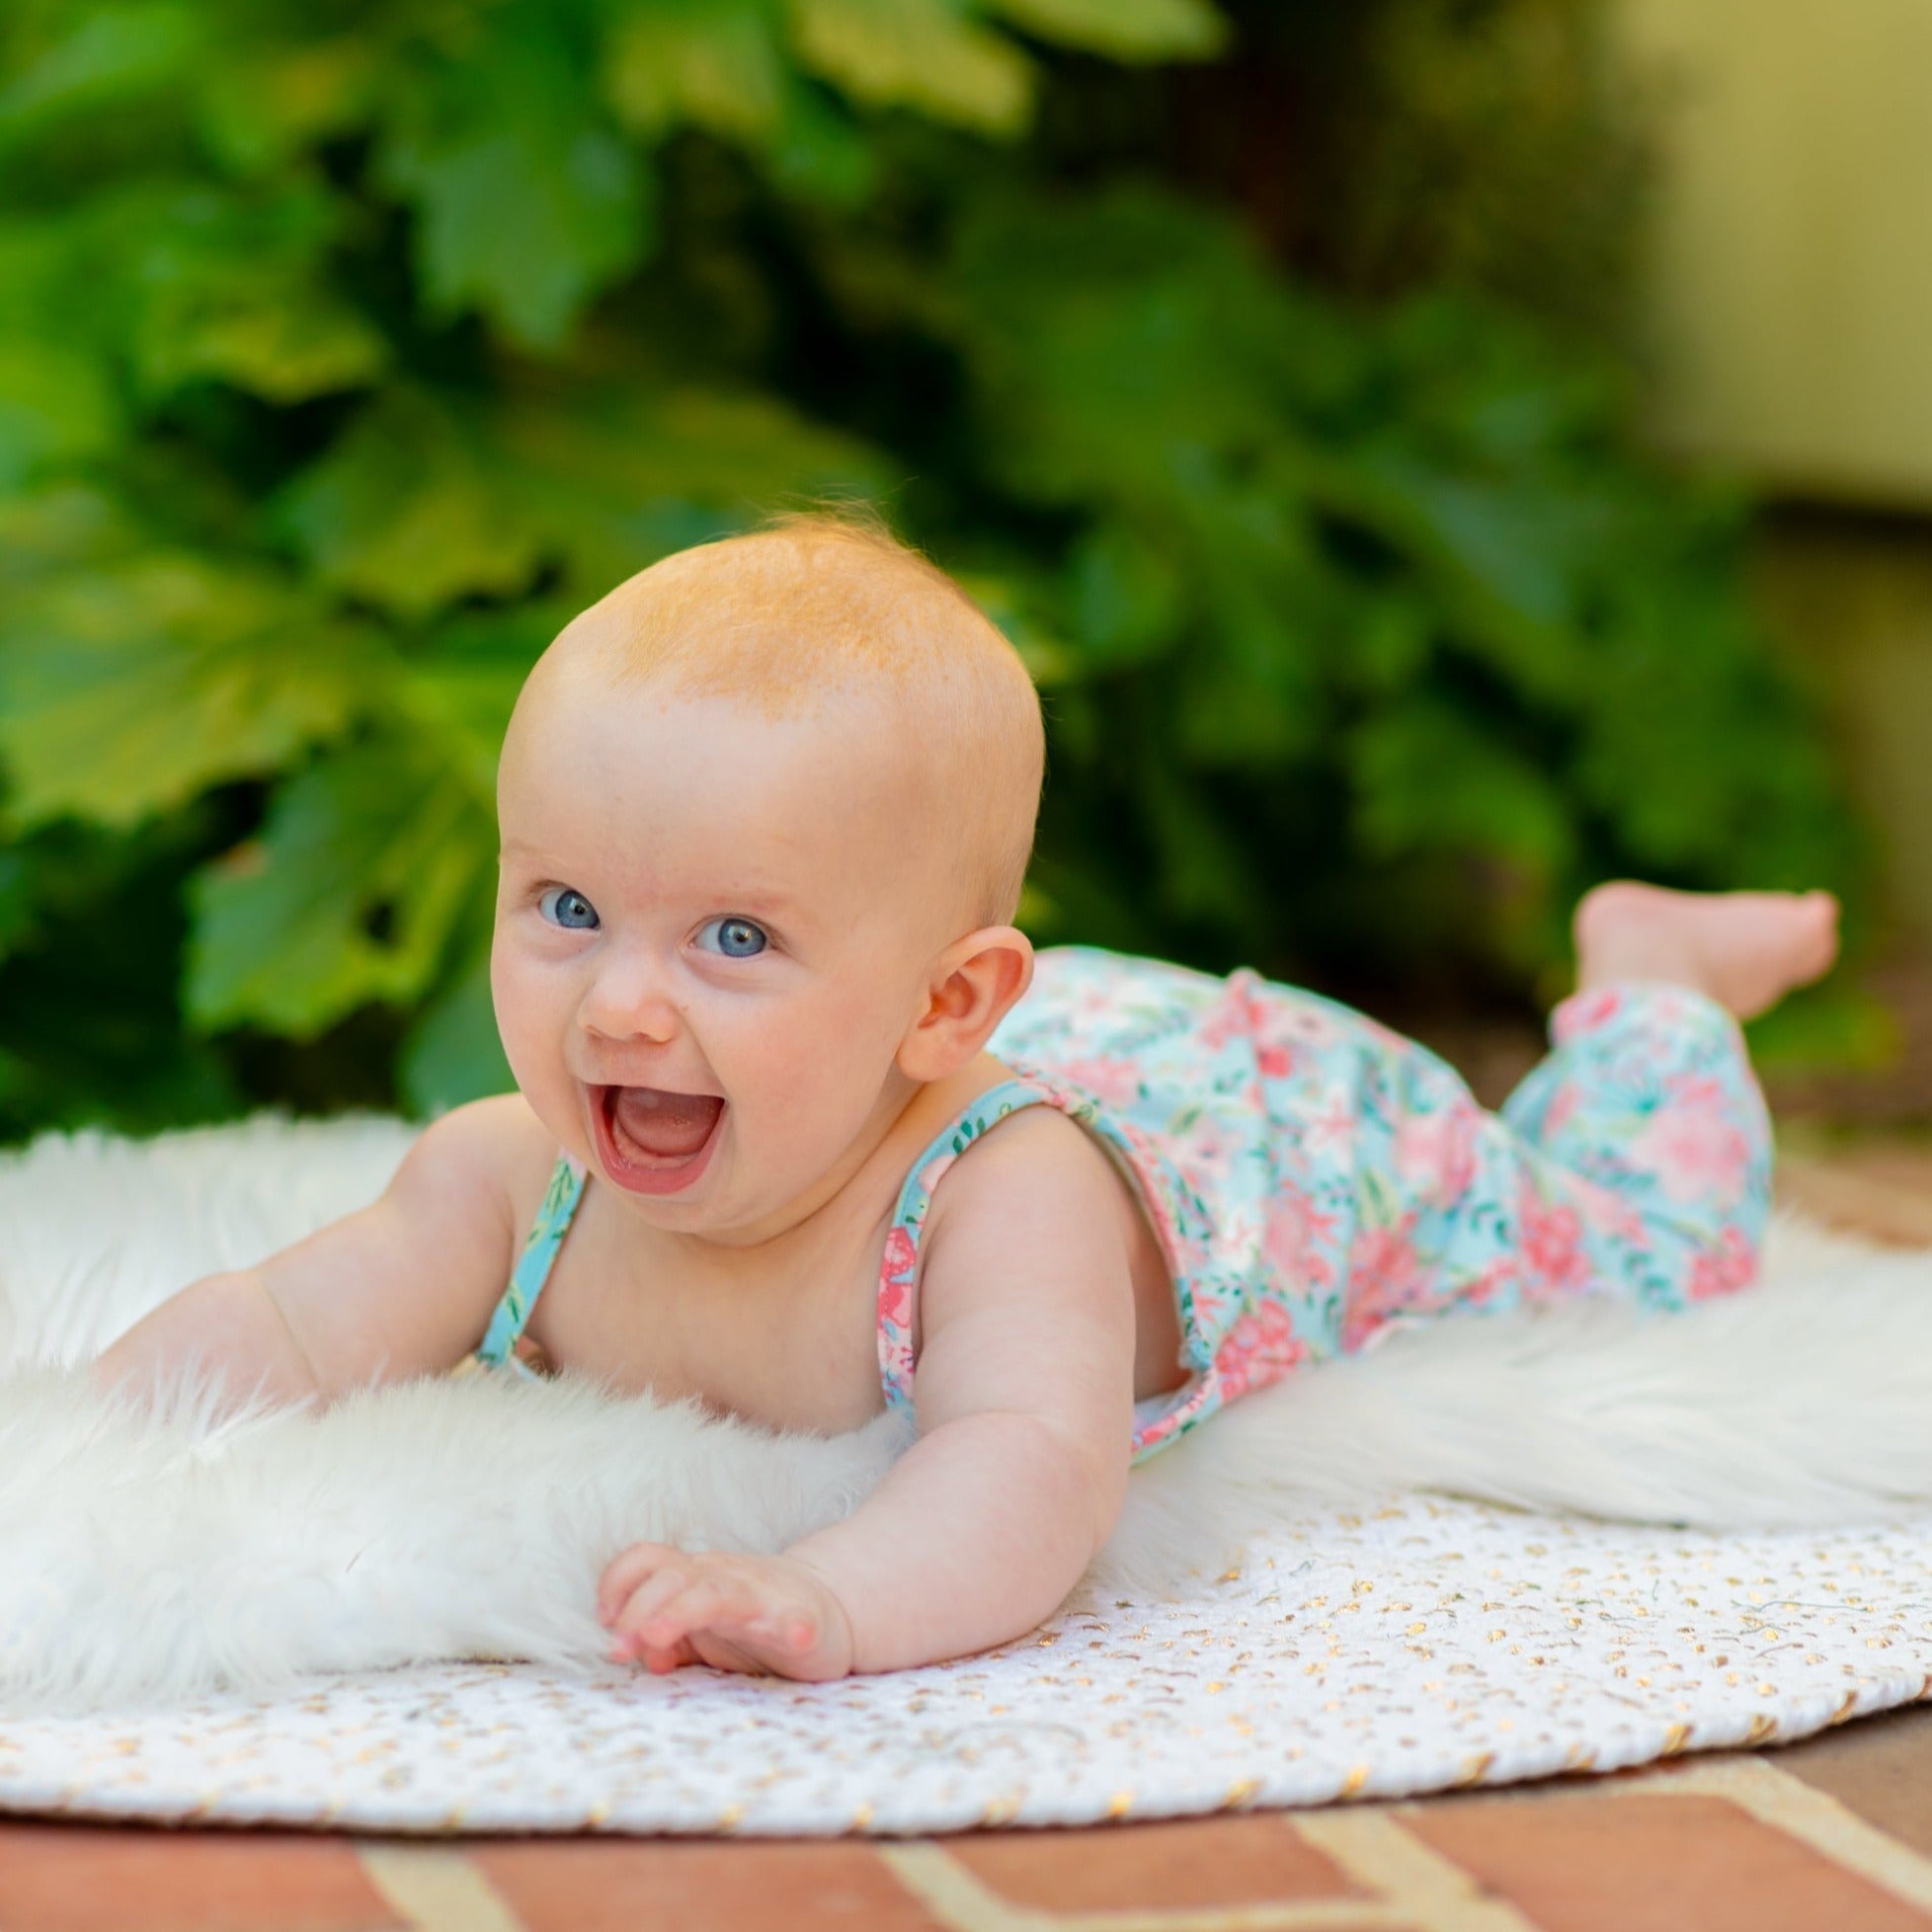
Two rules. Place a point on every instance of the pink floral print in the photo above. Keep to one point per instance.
(1385, 1281)
(1551, 1244)
(1315, 1178)
(1733, 1265)
(1261, 1347)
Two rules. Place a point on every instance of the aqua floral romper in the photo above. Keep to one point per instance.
(1316, 1179)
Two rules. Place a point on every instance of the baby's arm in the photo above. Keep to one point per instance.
(402, 1287)
(1024, 1401)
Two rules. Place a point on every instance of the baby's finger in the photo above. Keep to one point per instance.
(626, 1571)
(751, 1625)
(642, 1617)
(662, 1660)
(711, 1602)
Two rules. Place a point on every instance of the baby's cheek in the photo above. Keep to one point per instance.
(782, 1067)
(509, 1003)
(805, 1081)
(529, 1038)
(802, 1106)
(520, 1044)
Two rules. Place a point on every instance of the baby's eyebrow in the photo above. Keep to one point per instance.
(752, 900)
(754, 903)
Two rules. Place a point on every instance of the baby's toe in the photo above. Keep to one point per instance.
(1820, 917)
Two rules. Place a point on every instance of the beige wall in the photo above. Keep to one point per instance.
(1856, 598)
(1793, 274)
(1789, 313)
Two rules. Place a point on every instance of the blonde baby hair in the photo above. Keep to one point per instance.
(827, 601)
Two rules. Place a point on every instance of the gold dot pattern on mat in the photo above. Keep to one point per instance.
(1407, 1649)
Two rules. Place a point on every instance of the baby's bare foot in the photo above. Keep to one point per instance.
(1745, 949)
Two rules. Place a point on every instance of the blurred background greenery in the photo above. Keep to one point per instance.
(1272, 373)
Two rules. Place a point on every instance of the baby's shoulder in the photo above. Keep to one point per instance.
(496, 1144)
(1037, 1164)
(1032, 1225)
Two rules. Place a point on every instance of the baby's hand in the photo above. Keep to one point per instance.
(666, 1607)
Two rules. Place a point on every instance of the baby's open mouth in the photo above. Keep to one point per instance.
(652, 1125)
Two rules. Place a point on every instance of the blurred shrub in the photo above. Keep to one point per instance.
(1493, 144)
(345, 349)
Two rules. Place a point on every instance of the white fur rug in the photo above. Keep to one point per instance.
(1283, 1616)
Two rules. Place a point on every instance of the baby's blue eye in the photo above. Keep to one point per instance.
(575, 912)
(736, 938)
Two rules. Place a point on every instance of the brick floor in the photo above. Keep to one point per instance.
(1591, 1864)
(1831, 1832)
(610, 1886)
(76, 1878)
(1173, 1866)
(1879, 1768)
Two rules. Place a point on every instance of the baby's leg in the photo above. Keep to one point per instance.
(1636, 1159)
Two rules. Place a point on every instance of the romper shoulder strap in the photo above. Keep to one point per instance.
(532, 1268)
(899, 1273)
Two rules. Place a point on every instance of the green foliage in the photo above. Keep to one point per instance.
(345, 349)
(1408, 607)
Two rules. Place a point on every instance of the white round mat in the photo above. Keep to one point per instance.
(1373, 1654)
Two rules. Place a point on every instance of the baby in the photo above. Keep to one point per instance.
(824, 1137)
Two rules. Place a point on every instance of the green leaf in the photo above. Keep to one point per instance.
(1227, 720)
(454, 1052)
(112, 56)
(919, 55)
(96, 1047)
(1386, 645)
(1203, 873)
(714, 64)
(367, 861)
(1460, 537)
(1127, 596)
(236, 287)
(1121, 29)
(37, 268)
(262, 109)
(820, 153)
(618, 474)
(56, 529)
(526, 203)
(1695, 750)
(1017, 602)
(420, 504)
(127, 688)
(1126, 347)
(408, 512)
(463, 685)
(285, 344)
(1428, 778)
(1486, 532)
(57, 406)
(1833, 1026)
(90, 1023)
(182, 283)
(16, 899)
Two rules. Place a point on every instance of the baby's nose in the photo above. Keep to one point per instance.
(628, 1000)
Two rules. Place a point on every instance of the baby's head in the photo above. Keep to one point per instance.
(766, 811)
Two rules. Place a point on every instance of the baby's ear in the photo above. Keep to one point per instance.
(972, 987)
